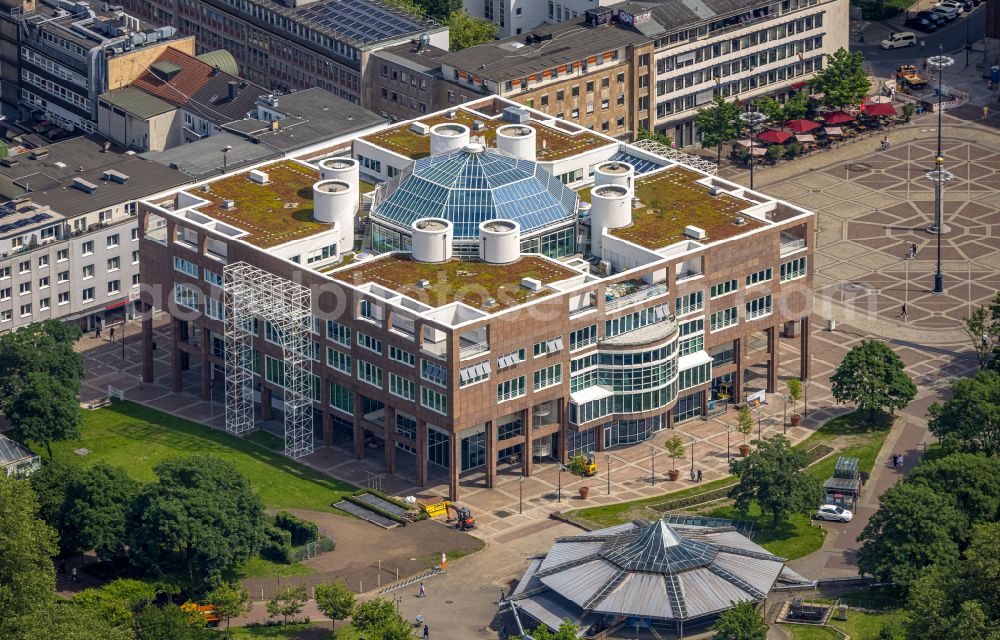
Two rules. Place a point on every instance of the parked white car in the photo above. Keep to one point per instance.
(953, 4)
(948, 13)
(834, 513)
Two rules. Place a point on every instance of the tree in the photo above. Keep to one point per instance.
(117, 602)
(395, 628)
(675, 449)
(440, 9)
(45, 347)
(201, 518)
(970, 420)
(373, 614)
(972, 481)
(983, 329)
(49, 484)
(170, 622)
(872, 376)
(66, 621)
(231, 600)
(335, 600)
(45, 411)
(465, 31)
(913, 528)
(94, 510)
(27, 576)
(567, 631)
(796, 105)
(744, 422)
(776, 151)
(718, 123)
(742, 622)
(287, 602)
(773, 477)
(843, 80)
(794, 386)
(773, 109)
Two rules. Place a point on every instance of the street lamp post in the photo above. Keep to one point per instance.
(752, 119)
(559, 489)
(729, 430)
(784, 415)
(609, 473)
(805, 396)
(652, 465)
(692, 454)
(938, 174)
(225, 157)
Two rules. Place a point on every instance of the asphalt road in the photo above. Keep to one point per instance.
(969, 27)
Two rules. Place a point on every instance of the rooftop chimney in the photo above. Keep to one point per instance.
(234, 90)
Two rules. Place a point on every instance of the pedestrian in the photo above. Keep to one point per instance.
(97, 330)
(900, 461)
(111, 335)
(902, 313)
(986, 111)
(692, 474)
(427, 633)
(699, 475)
(913, 251)
(925, 64)
(423, 591)
(895, 459)
(74, 574)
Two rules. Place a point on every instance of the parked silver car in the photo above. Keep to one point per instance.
(834, 513)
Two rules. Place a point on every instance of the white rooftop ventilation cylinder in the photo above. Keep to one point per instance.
(432, 238)
(499, 241)
(614, 172)
(610, 208)
(346, 169)
(336, 202)
(448, 136)
(518, 140)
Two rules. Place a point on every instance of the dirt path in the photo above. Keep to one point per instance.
(361, 546)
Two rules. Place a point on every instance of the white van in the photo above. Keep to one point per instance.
(900, 39)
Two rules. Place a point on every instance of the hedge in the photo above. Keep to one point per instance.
(302, 531)
(277, 544)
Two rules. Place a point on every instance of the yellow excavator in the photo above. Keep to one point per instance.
(590, 469)
(463, 517)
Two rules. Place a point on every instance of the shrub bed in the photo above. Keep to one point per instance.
(365, 505)
(302, 531)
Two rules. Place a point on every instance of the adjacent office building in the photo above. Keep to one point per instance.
(69, 246)
(650, 66)
(59, 56)
(521, 288)
(296, 44)
(513, 17)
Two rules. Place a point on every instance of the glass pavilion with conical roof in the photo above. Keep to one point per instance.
(659, 574)
(473, 185)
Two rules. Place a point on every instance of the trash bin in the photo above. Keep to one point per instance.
(995, 74)
(831, 325)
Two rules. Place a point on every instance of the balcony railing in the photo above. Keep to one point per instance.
(644, 293)
(470, 349)
(791, 244)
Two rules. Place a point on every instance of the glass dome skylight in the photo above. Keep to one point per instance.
(470, 186)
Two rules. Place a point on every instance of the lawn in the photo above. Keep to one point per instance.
(137, 438)
(262, 568)
(864, 626)
(298, 631)
(793, 538)
(805, 632)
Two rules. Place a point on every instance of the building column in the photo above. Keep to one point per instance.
(147, 347)
(176, 362)
(265, 402)
(206, 365)
(739, 355)
(772, 359)
(389, 442)
(527, 457)
(359, 431)
(324, 401)
(598, 438)
(804, 354)
(491, 454)
(670, 416)
(563, 433)
(421, 453)
(704, 402)
(454, 463)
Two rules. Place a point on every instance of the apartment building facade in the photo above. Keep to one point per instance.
(69, 245)
(514, 17)
(296, 44)
(674, 59)
(455, 364)
(70, 53)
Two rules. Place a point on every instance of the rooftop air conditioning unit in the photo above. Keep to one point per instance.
(423, 283)
(533, 284)
(228, 204)
(697, 233)
(420, 128)
(478, 125)
(259, 177)
(714, 191)
(451, 113)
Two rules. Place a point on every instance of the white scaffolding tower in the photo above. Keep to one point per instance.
(251, 293)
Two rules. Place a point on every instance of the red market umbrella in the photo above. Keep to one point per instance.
(838, 117)
(774, 137)
(802, 126)
(879, 109)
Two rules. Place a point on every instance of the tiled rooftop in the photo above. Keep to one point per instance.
(272, 213)
(467, 281)
(671, 200)
(558, 143)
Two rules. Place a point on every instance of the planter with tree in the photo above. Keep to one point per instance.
(675, 449)
(584, 492)
(744, 424)
(794, 394)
